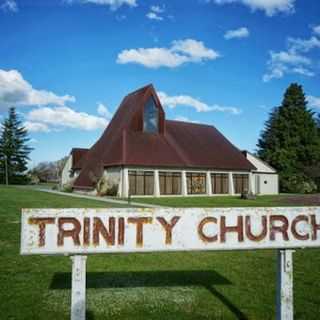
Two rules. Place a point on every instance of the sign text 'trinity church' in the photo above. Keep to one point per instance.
(87, 231)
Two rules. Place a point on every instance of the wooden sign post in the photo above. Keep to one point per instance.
(80, 232)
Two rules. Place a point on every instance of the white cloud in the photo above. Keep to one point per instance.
(103, 111)
(237, 33)
(36, 127)
(47, 119)
(303, 45)
(157, 9)
(16, 91)
(292, 61)
(185, 119)
(316, 29)
(153, 16)
(9, 5)
(270, 7)
(199, 106)
(303, 71)
(180, 52)
(113, 4)
(284, 62)
(154, 13)
(314, 101)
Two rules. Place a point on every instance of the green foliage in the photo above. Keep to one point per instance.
(14, 150)
(106, 187)
(290, 141)
(67, 188)
(298, 183)
(112, 191)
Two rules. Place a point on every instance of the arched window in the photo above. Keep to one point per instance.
(151, 117)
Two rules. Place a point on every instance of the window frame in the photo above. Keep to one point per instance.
(196, 175)
(138, 173)
(146, 121)
(172, 175)
(243, 178)
(224, 177)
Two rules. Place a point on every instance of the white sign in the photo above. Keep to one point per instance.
(87, 231)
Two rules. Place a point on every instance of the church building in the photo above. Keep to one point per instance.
(141, 153)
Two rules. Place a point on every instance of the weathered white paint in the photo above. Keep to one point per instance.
(65, 175)
(78, 288)
(156, 188)
(231, 186)
(284, 301)
(125, 183)
(184, 188)
(251, 183)
(208, 183)
(185, 233)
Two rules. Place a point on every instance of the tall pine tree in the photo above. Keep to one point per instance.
(290, 142)
(14, 150)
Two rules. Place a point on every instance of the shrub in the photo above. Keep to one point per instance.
(67, 188)
(106, 187)
(298, 183)
(20, 179)
(112, 191)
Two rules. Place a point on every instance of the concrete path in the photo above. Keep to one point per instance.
(103, 199)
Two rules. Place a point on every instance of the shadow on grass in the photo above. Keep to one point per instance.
(99, 280)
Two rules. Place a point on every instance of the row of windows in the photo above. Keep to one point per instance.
(142, 183)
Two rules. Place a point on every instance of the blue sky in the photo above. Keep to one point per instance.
(66, 64)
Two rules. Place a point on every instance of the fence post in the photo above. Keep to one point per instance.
(284, 303)
(78, 294)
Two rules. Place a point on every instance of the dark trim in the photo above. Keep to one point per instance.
(178, 168)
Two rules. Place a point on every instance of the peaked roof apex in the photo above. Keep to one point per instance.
(144, 88)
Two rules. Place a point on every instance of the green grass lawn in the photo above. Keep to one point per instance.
(231, 201)
(189, 285)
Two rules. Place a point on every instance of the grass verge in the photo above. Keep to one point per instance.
(184, 285)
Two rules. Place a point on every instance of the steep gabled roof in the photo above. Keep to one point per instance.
(78, 158)
(178, 144)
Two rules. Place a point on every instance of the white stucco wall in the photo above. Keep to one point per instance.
(266, 184)
(266, 179)
(113, 177)
(65, 176)
(259, 164)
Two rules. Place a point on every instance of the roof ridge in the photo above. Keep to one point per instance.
(192, 123)
(150, 85)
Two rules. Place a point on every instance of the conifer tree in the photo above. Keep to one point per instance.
(14, 150)
(290, 142)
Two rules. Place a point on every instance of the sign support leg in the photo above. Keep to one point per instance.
(284, 285)
(78, 295)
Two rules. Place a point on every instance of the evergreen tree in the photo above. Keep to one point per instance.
(290, 142)
(13, 149)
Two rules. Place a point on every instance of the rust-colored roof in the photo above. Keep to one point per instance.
(78, 158)
(178, 144)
